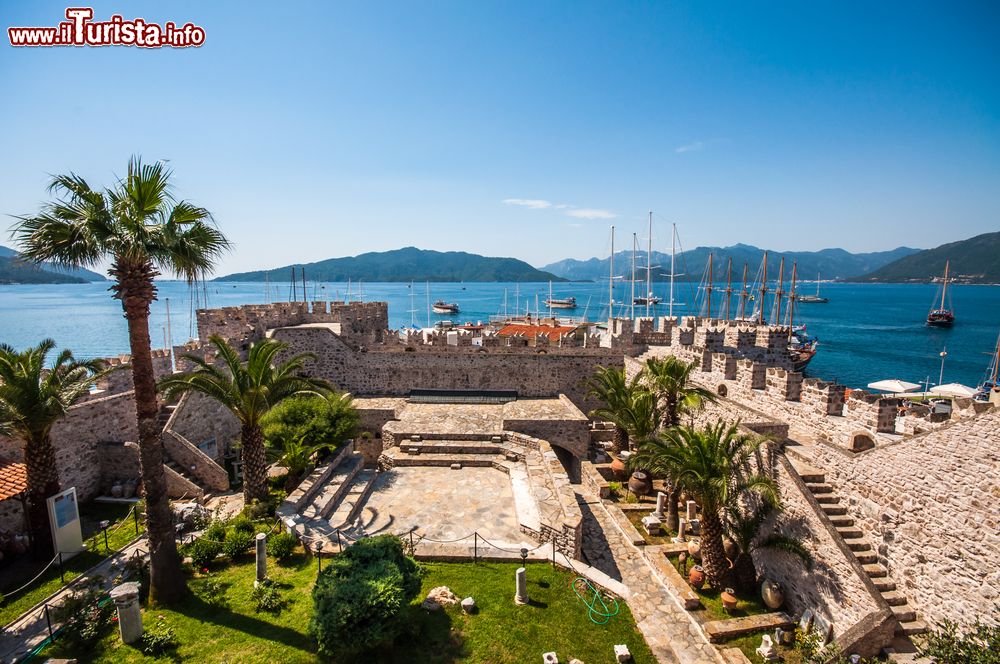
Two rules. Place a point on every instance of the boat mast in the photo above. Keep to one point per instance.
(673, 250)
(413, 310)
(944, 288)
(791, 300)
(550, 298)
(779, 293)
(303, 283)
(743, 295)
(611, 278)
(649, 265)
(708, 290)
(817, 284)
(427, 290)
(729, 286)
(763, 292)
(631, 311)
(295, 295)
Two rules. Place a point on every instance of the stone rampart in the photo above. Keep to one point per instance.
(389, 370)
(252, 321)
(929, 506)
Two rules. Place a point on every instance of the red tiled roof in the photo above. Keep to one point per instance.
(553, 332)
(13, 478)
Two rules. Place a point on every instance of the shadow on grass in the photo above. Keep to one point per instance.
(196, 607)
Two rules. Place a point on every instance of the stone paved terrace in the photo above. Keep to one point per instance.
(448, 419)
(444, 504)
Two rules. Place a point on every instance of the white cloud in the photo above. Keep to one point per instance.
(697, 146)
(591, 213)
(532, 203)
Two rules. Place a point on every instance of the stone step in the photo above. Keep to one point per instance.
(819, 488)
(446, 460)
(336, 485)
(912, 627)
(904, 613)
(884, 584)
(834, 510)
(866, 557)
(849, 532)
(350, 505)
(841, 521)
(858, 544)
(827, 499)
(452, 447)
(893, 598)
(875, 571)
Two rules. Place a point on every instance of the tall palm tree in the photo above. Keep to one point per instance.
(248, 389)
(32, 399)
(140, 228)
(742, 525)
(712, 465)
(670, 378)
(641, 416)
(615, 392)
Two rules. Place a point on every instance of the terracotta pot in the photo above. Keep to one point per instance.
(617, 466)
(696, 577)
(694, 549)
(772, 594)
(728, 597)
(641, 484)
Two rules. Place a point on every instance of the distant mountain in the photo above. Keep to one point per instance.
(690, 265)
(407, 264)
(974, 261)
(15, 271)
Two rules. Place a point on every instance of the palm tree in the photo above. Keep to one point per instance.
(141, 229)
(611, 388)
(641, 417)
(32, 399)
(711, 465)
(248, 389)
(670, 378)
(743, 526)
(296, 456)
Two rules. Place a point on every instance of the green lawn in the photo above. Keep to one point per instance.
(26, 568)
(499, 633)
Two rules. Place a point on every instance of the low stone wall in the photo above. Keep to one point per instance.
(12, 515)
(119, 463)
(195, 462)
(75, 438)
(929, 506)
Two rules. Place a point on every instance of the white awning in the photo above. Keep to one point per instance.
(893, 385)
(954, 390)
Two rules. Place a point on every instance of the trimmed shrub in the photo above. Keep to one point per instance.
(202, 552)
(267, 598)
(237, 543)
(358, 597)
(242, 523)
(85, 620)
(216, 530)
(157, 639)
(282, 545)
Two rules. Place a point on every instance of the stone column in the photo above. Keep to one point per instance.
(261, 558)
(126, 599)
(692, 510)
(521, 593)
(661, 501)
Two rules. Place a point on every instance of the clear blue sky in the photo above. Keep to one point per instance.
(319, 129)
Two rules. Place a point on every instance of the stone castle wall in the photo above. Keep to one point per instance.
(929, 506)
(395, 372)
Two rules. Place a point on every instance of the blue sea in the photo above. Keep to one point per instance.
(867, 332)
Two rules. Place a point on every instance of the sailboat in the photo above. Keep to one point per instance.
(648, 300)
(814, 299)
(942, 316)
(991, 383)
(559, 303)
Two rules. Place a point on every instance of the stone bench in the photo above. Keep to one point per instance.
(722, 630)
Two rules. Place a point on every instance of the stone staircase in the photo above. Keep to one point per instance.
(481, 452)
(162, 417)
(815, 481)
